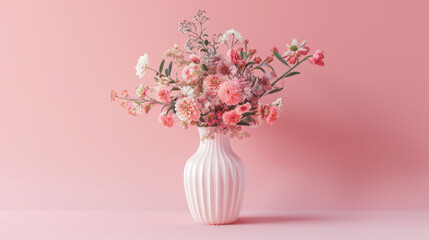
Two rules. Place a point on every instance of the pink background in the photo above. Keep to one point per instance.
(354, 134)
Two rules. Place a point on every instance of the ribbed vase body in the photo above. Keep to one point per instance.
(214, 180)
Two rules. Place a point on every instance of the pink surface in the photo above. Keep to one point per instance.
(354, 134)
(130, 225)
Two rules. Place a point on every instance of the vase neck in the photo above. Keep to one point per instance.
(219, 140)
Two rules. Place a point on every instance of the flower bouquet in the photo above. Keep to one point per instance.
(216, 82)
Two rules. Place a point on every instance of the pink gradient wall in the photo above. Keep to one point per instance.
(354, 134)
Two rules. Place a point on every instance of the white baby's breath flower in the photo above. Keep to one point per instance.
(141, 66)
(188, 91)
(237, 35)
(279, 104)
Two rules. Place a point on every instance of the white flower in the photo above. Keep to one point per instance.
(187, 91)
(141, 66)
(279, 104)
(141, 91)
(237, 35)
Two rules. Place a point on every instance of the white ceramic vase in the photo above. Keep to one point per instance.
(215, 180)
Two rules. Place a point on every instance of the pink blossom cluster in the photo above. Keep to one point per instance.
(199, 86)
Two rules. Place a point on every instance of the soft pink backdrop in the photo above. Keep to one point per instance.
(354, 134)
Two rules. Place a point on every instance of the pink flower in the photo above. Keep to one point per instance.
(257, 60)
(264, 111)
(243, 108)
(226, 68)
(254, 100)
(252, 51)
(113, 96)
(212, 83)
(266, 80)
(187, 109)
(231, 117)
(194, 58)
(275, 50)
(132, 111)
(147, 107)
(211, 119)
(274, 115)
(269, 59)
(234, 56)
(166, 121)
(317, 58)
(295, 50)
(163, 95)
(219, 114)
(230, 92)
(124, 94)
(191, 73)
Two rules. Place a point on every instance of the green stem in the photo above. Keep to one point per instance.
(141, 100)
(288, 71)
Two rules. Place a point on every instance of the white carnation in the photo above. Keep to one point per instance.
(237, 35)
(188, 91)
(141, 66)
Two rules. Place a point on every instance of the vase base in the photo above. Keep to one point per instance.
(216, 222)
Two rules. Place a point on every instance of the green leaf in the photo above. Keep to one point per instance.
(292, 74)
(161, 67)
(205, 67)
(243, 123)
(259, 68)
(249, 114)
(275, 90)
(205, 35)
(206, 42)
(203, 50)
(253, 120)
(175, 89)
(170, 66)
(169, 109)
(268, 65)
(249, 63)
(280, 58)
(242, 54)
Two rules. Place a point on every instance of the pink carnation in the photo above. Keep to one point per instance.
(166, 121)
(231, 117)
(234, 56)
(226, 68)
(212, 83)
(317, 58)
(194, 58)
(243, 108)
(163, 95)
(187, 109)
(274, 115)
(230, 92)
(190, 73)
